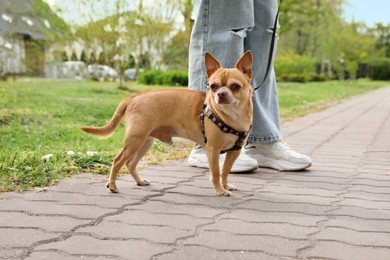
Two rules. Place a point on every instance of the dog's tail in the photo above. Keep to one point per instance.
(107, 130)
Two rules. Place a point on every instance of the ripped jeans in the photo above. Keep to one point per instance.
(226, 29)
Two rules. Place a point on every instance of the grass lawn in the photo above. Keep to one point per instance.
(41, 118)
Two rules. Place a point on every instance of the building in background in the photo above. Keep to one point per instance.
(28, 29)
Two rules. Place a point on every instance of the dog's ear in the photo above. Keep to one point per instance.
(244, 64)
(211, 63)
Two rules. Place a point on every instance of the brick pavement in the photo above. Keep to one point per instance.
(338, 209)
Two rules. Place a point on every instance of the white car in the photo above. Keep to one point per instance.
(131, 73)
(102, 72)
(74, 70)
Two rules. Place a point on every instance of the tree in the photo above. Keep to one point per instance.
(145, 35)
(317, 29)
(176, 54)
(382, 35)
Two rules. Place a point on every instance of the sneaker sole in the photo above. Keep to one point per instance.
(197, 163)
(283, 165)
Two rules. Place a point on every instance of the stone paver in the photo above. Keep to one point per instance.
(338, 209)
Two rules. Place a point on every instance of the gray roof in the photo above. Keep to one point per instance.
(19, 17)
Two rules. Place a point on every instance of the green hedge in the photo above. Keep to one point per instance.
(379, 69)
(159, 77)
(296, 68)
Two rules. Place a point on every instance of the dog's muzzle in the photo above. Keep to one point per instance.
(223, 96)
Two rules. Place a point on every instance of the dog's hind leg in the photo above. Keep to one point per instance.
(116, 165)
(132, 163)
(133, 143)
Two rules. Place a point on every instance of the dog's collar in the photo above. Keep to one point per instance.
(206, 111)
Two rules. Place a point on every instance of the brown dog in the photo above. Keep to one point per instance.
(164, 114)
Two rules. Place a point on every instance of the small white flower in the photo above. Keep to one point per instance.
(107, 28)
(121, 20)
(70, 153)
(47, 24)
(90, 153)
(7, 18)
(27, 20)
(120, 41)
(8, 45)
(47, 157)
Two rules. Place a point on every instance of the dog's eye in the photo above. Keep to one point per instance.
(213, 87)
(235, 87)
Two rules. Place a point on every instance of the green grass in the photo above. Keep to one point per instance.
(43, 117)
(40, 117)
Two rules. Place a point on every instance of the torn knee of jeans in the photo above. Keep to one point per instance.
(241, 31)
(271, 29)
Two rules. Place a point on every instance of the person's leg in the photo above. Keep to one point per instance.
(265, 143)
(266, 121)
(227, 29)
(220, 28)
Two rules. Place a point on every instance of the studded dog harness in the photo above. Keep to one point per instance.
(206, 111)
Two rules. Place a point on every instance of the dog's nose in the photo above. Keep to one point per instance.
(222, 94)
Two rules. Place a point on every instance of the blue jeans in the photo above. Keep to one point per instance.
(226, 29)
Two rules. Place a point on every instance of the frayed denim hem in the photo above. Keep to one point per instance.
(264, 139)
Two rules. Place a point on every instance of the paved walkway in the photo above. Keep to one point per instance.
(339, 209)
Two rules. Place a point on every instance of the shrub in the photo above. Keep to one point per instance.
(180, 78)
(294, 68)
(151, 77)
(159, 77)
(318, 77)
(298, 77)
(379, 69)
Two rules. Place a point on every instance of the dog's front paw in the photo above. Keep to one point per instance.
(144, 182)
(224, 193)
(230, 187)
(112, 187)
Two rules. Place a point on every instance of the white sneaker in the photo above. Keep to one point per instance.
(277, 155)
(244, 163)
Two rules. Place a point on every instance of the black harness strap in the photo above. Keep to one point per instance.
(206, 111)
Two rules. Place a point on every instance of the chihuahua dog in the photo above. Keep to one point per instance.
(164, 114)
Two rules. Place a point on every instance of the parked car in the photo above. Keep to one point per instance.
(102, 72)
(74, 70)
(131, 73)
